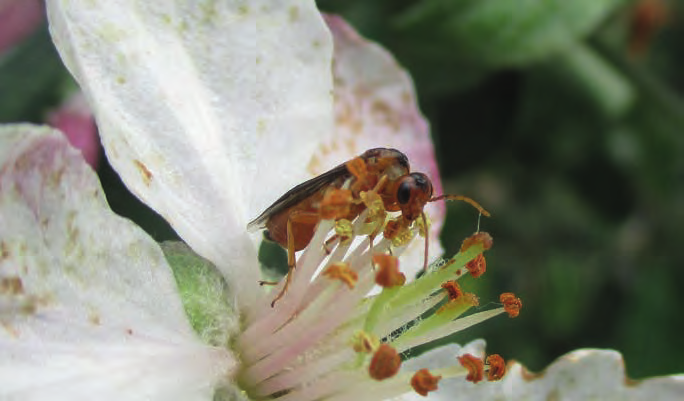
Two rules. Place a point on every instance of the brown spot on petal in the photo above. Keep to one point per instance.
(144, 172)
(385, 114)
(94, 318)
(11, 286)
(11, 330)
(293, 14)
(4, 250)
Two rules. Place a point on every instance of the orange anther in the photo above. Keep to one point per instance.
(453, 289)
(474, 365)
(385, 363)
(424, 382)
(477, 266)
(341, 271)
(387, 271)
(478, 238)
(497, 367)
(365, 342)
(511, 303)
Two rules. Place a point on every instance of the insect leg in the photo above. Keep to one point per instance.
(298, 217)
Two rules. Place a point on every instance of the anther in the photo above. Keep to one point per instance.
(423, 382)
(511, 303)
(375, 219)
(398, 231)
(387, 271)
(365, 342)
(385, 363)
(497, 367)
(475, 367)
(453, 289)
(477, 266)
(344, 229)
(482, 238)
(341, 271)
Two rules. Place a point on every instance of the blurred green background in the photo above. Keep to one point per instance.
(563, 118)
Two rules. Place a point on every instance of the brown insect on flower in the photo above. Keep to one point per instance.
(292, 219)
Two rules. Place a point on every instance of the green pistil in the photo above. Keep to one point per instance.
(442, 317)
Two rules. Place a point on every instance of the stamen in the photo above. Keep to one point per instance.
(511, 303)
(341, 271)
(375, 219)
(481, 238)
(365, 342)
(406, 341)
(343, 228)
(424, 382)
(497, 367)
(385, 363)
(387, 271)
(453, 289)
(477, 266)
(398, 231)
(474, 365)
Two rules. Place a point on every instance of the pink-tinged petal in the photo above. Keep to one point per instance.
(88, 306)
(76, 121)
(376, 106)
(18, 19)
(208, 111)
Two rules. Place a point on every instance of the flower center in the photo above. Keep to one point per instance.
(328, 338)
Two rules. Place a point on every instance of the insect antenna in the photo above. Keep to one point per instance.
(427, 236)
(464, 199)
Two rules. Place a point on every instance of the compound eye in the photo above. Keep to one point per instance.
(404, 192)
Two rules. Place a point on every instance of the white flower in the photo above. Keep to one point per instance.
(208, 111)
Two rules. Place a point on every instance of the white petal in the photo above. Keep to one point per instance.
(208, 110)
(578, 376)
(376, 106)
(585, 375)
(88, 305)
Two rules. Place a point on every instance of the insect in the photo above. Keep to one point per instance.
(292, 219)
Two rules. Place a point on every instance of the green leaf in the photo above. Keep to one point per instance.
(503, 32)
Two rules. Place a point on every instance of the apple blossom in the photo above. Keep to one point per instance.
(209, 111)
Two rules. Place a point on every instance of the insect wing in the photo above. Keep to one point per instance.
(300, 193)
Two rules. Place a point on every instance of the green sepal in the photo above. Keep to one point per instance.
(204, 293)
